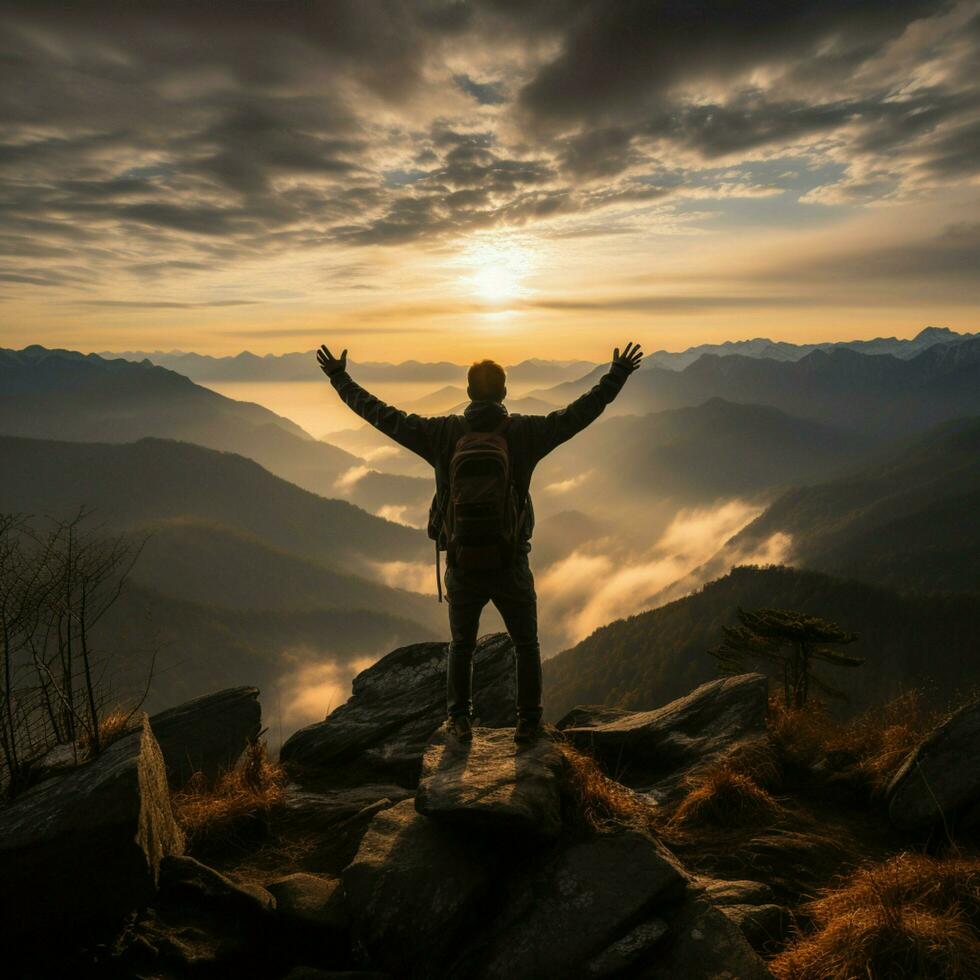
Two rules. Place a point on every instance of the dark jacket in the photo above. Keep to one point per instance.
(529, 437)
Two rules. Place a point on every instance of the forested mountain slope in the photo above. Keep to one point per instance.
(648, 659)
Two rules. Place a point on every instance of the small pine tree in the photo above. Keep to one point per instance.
(792, 641)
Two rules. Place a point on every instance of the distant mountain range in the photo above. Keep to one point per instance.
(60, 394)
(243, 575)
(781, 350)
(927, 642)
(296, 366)
(715, 450)
(301, 366)
(874, 393)
(909, 520)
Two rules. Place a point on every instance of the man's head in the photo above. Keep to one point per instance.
(486, 381)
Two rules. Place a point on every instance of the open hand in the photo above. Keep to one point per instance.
(330, 364)
(629, 359)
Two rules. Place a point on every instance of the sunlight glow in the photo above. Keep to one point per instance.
(496, 267)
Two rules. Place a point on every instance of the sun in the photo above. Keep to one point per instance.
(496, 267)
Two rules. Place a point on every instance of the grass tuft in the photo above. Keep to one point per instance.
(911, 916)
(722, 798)
(873, 744)
(597, 800)
(252, 789)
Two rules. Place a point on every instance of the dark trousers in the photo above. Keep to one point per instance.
(511, 590)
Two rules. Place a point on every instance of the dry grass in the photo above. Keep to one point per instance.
(252, 789)
(723, 798)
(873, 744)
(597, 800)
(113, 725)
(912, 916)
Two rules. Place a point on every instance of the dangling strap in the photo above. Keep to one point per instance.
(438, 575)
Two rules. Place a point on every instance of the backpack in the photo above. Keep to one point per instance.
(480, 523)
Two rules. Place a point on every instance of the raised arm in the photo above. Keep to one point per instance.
(549, 431)
(407, 430)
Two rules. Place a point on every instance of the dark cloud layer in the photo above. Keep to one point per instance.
(160, 139)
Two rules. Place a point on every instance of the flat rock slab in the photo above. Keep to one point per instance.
(380, 733)
(491, 783)
(574, 909)
(643, 747)
(410, 888)
(940, 781)
(87, 846)
(208, 734)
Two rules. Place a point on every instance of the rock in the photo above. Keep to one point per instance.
(573, 909)
(203, 924)
(381, 732)
(939, 782)
(490, 783)
(736, 892)
(410, 888)
(641, 748)
(316, 811)
(87, 846)
(185, 881)
(335, 820)
(623, 953)
(760, 924)
(587, 715)
(703, 944)
(310, 901)
(207, 734)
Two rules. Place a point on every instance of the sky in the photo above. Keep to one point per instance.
(459, 178)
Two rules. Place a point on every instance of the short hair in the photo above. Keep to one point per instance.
(487, 380)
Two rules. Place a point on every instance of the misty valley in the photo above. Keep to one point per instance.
(275, 557)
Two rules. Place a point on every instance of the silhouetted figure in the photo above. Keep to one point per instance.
(481, 513)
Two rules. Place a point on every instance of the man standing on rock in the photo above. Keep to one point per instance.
(481, 513)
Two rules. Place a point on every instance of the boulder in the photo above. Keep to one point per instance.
(761, 925)
(310, 902)
(410, 889)
(625, 952)
(185, 882)
(334, 821)
(381, 732)
(202, 923)
(86, 847)
(939, 782)
(491, 783)
(644, 748)
(207, 734)
(580, 903)
(703, 944)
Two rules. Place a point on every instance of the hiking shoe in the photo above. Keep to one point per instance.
(526, 731)
(461, 728)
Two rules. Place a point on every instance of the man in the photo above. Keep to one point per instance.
(526, 439)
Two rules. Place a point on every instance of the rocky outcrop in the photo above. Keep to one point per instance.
(645, 748)
(208, 734)
(939, 783)
(461, 882)
(487, 784)
(381, 732)
(582, 907)
(411, 889)
(86, 847)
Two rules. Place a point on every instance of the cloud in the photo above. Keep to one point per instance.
(587, 590)
(164, 141)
